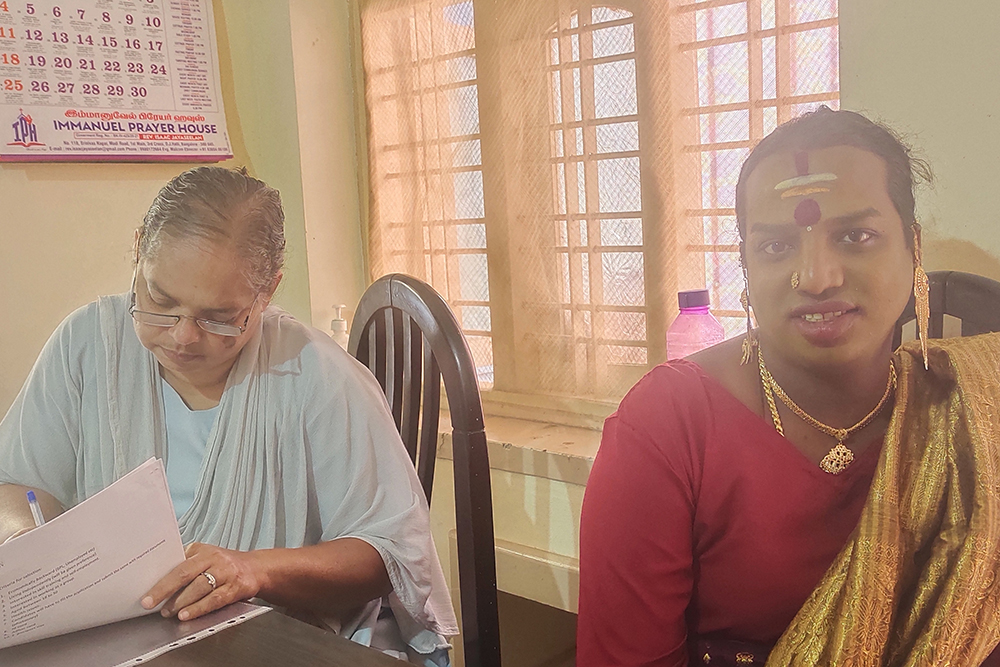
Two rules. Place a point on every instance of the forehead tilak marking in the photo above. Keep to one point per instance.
(804, 183)
(803, 190)
(801, 163)
(807, 212)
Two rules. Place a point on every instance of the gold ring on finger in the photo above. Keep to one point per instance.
(211, 578)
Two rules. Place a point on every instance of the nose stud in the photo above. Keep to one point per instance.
(795, 279)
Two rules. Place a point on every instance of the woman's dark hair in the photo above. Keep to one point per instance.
(824, 128)
(220, 204)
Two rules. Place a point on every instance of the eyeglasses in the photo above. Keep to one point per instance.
(167, 321)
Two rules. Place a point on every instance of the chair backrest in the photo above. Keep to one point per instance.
(973, 299)
(406, 334)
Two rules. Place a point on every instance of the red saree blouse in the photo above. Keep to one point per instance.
(700, 519)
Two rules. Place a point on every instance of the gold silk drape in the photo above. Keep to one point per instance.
(917, 584)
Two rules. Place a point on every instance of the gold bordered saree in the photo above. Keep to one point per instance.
(918, 582)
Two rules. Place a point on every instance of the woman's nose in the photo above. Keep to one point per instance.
(821, 269)
(186, 331)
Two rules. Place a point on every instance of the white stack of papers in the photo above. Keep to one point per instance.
(93, 564)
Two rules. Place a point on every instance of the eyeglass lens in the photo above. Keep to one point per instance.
(166, 321)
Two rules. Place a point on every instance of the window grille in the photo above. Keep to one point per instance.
(424, 147)
(596, 176)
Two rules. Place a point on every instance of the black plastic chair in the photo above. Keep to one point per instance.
(973, 299)
(406, 334)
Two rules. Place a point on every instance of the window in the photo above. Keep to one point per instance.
(427, 175)
(596, 183)
(559, 169)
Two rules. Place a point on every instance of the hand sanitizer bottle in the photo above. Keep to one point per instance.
(338, 327)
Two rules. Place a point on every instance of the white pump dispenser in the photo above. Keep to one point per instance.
(338, 327)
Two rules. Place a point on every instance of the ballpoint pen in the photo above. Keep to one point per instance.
(36, 511)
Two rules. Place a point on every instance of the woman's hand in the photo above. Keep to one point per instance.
(330, 579)
(190, 593)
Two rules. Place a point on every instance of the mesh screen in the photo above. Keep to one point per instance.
(428, 211)
(559, 169)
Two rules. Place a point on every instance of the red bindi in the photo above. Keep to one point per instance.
(807, 213)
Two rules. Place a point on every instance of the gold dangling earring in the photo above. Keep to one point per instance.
(750, 341)
(921, 293)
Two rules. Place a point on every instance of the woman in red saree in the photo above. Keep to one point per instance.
(805, 496)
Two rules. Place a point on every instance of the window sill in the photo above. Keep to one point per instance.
(551, 410)
(531, 447)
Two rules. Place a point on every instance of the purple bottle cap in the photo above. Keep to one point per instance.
(695, 298)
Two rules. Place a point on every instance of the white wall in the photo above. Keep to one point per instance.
(66, 230)
(326, 104)
(931, 69)
(260, 108)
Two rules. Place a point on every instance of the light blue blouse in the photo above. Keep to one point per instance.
(187, 440)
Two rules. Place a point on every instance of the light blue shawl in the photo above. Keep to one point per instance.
(304, 450)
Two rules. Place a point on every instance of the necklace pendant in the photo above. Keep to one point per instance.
(837, 459)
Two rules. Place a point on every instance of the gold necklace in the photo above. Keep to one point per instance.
(839, 457)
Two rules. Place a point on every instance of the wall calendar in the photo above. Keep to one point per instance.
(110, 80)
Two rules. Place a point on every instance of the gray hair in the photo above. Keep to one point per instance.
(221, 205)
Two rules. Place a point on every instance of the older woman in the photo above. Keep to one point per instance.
(287, 474)
(804, 486)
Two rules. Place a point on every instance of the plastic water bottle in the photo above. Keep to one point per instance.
(695, 328)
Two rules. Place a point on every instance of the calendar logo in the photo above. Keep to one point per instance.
(25, 132)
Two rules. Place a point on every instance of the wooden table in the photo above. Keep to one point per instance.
(268, 639)
(274, 639)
